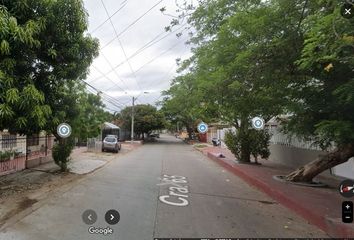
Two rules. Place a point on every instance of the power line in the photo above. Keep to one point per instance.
(132, 24)
(107, 97)
(140, 50)
(104, 100)
(114, 100)
(99, 26)
(152, 42)
(162, 79)
(154, 59)
(123, 2)
(114, 70)
(121, 45)
(108, 79)
(158, 56)
(110, 109)
(166, 75)
(109, 63)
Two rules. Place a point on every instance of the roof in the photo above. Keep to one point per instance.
(108, 125)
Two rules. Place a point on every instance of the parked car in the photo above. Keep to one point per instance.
(115, 136)
(119, 142)
(111, 143)
(156, 135)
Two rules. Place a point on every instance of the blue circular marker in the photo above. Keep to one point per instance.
(64, 130)
(202, 127)
(258, 123)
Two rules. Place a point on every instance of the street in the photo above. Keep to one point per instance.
(163, 189)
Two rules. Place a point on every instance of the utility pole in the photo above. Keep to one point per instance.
(132, 128)
(133, 104)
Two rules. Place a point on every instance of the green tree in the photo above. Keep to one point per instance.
(146, 119)
(44, 53)
(270, 57)
(237, 64)
(323, 101)
(183, 105)
(91, 116)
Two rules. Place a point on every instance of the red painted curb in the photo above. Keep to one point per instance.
(332, 227)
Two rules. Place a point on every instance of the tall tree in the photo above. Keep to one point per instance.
(91, 116)
(43, 53)
(146, 119)
(323, 100)
(183, 105)
(238, 67)
(270, 57)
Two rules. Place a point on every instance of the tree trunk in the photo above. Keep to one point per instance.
(309, 171)
(190, 131)
(245, 142)
(245, 153)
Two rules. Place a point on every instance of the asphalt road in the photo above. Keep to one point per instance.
(165, 189)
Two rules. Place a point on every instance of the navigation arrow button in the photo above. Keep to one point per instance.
(89, 217)
(112, 217)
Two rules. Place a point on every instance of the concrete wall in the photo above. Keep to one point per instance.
(31, 163)
(293, 156)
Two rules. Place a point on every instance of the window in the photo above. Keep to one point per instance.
(8, 141)
(33, 140)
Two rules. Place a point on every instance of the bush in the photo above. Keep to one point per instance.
(251, 141)
(232, 141)
(6, 156)
(259, 143)
(61, 153)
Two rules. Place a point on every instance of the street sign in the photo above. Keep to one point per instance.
(258, 123)
(202, 127)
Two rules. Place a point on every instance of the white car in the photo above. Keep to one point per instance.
(111, 143)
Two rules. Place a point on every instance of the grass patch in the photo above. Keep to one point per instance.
(200, 145)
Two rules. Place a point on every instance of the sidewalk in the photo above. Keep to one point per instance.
(23, 192)
(84, 162)
(319, 206)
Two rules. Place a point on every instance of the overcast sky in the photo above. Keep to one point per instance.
(122, 81)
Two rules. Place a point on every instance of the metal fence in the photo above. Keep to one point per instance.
(94, 144)
(15, 150)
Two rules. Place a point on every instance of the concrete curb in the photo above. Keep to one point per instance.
(333, 227)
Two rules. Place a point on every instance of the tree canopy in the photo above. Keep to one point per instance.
(45, 55)
(146, 119)
(182, 103)
(44, 52)
(268, 58)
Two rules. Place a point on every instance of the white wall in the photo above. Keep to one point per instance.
(345, 170)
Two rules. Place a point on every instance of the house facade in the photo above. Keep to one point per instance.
(18, 152)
